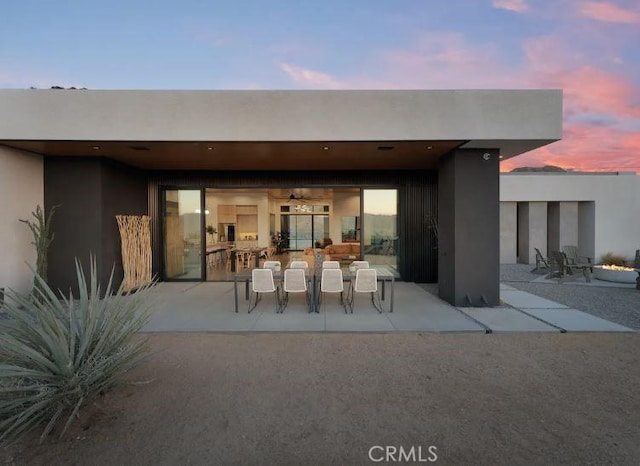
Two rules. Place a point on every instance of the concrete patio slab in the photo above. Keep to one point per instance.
(417, 310)
(506, 287)
(522, 299)
(573, 320)
(209, 307)
(507, 319)
(580, 280)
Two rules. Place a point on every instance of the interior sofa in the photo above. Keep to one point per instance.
(333, 252)
(343, 251)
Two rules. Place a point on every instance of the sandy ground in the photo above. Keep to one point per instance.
(328, 398)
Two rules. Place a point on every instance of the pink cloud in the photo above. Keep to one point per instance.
(609, 12)
(311, 78)
(519, 6)
(447, 60)
(585, 147)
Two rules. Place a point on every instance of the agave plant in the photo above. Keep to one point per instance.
(57, 353)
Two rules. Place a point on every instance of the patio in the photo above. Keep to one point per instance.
(209, 307)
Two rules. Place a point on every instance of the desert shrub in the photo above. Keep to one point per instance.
(611, 258)
(57, 353)
(42, 238)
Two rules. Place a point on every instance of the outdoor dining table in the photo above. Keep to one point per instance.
(384, 275)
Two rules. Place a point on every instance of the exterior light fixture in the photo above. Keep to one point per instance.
(325, 148)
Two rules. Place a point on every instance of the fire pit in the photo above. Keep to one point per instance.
(615, 273)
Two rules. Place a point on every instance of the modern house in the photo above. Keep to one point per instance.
(378, 169)
(598, 212)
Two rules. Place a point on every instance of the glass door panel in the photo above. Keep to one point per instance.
(380, 226)
(300, 229)
(320, 229)
(182, 233)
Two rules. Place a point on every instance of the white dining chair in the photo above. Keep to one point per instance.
(273, 265)
(262, 282)
(298, 265)
(331, 282)
(366, 282)
(360, 264)
(295, 281)
(330, 264)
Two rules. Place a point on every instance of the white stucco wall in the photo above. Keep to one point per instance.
(515, 120)
(21, 190)
(615, 197)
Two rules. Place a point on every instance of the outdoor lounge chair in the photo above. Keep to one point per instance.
(541, 262)
(560, 267)
(573, 258)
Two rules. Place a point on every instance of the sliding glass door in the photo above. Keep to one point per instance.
(304, 230)
(182, 232)
(380, 226)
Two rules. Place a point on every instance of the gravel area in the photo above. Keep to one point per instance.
(328, 399)
(619, 305)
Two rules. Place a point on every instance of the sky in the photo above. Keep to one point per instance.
(587, 48)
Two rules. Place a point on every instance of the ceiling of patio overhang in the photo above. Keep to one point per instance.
(318, 155)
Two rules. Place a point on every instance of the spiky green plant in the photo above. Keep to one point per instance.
(57, 353)
(42, 238)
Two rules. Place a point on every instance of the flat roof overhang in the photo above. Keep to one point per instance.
(278, 130)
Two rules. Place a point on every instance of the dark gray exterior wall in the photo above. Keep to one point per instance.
(90, 192)
(469, 228)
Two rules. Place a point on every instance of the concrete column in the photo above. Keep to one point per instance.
(508, 235)
(532, 230)
(469, 228)
(562, 225)
(587, 229)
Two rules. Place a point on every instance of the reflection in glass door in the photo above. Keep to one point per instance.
(380, 226)
(182, 233)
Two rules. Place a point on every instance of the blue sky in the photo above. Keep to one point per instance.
(587, 48)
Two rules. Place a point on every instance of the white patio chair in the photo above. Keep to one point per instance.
(295, 281)
(273, 265)
(331, 282)
(366, 282)
(360, 264)
(298, 265)
(262, 282)
(330, 264)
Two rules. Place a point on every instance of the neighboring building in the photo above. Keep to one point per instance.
(598, 212)
(241, 157)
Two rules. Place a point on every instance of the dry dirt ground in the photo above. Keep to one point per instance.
(329, 398)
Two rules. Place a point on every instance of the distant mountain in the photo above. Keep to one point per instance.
(546, 168)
